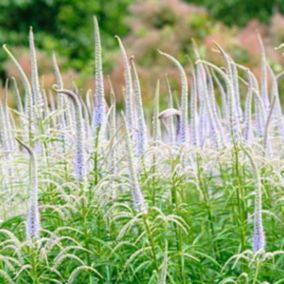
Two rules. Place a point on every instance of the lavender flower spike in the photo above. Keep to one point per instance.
(137, 195)
(28, 96)
(258, 238)
(33, 217)
(182, 137)
(247, 114)
(171, 126)
(7, 135)
(36, 92)
(156, 122)
(99, 110)
(80, 162)
(129, 104)
(141, 131)
(264, 76)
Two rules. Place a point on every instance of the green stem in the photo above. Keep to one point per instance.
(96, 176)
(151, 241)
(34, 261)
(179, 245)
(205, 194)
(240, 199)
(85, 212)
(256, 272)
(154, 181)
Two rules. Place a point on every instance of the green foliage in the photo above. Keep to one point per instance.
(239, 12)
(64, 26)
(197, 229)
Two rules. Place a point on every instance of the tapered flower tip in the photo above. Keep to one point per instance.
(165, 54)
(161, 52)
(95, 20)
(168, 113)
(217, 45)
(279, 47)
(260, 41)
(195, 49)
(119, 41)
(199, 61)
(216, 48)
(68, 93)
(55, 88)
(132, 58)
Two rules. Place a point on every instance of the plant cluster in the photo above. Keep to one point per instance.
(191, 194)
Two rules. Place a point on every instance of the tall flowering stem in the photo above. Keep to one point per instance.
(33, 216)
(80, 162)
(264, 76)
(128, 94)
(182, 137)
(137, 195)
(29, 126)
(258, 238)
(141, 137)
(171, 126)
(99, 109)
(38, 101)
(156, 122)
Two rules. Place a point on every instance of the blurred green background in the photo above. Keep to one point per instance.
(65, 26)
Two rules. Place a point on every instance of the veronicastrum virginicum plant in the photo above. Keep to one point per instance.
(194, 196)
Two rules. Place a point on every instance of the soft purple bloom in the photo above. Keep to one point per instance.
(99, 109)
